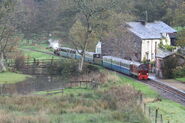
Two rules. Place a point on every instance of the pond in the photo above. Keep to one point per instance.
(36, 83)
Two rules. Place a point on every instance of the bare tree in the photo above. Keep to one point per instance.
(87, 11)
(6, 31)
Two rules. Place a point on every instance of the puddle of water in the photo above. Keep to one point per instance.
(37, 83)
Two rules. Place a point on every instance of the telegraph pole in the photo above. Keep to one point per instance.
(146, 16)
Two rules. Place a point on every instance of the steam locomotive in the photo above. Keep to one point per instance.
(127, 67)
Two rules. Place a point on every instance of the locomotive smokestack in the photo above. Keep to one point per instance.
(53, 43)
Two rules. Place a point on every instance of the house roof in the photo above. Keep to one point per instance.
(150, 30)
(163, 54)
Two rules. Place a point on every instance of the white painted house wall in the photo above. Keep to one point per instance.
(149, 47)
(166, 39)
(98, 48)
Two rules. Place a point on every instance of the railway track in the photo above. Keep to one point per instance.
(167, 90)
(178, 95)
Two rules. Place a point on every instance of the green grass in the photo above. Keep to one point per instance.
(179, 28)
(38, 55)
(170, 110)
(11, 78)
(181, 79)
(104, 117)
(145, 89)
(34, 54)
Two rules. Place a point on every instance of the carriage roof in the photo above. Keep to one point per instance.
(122, 60)
(90, 53)
(66, 48)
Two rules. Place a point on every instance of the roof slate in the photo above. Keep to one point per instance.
(150, 30)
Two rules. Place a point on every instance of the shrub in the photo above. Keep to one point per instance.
(179, 72)
(170, 63)
(19, 62)
(121, 97)
(91, 67)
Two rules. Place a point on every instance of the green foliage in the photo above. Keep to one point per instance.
(179, 28)
(19, 62)
(181, 38)
(181, 79)
(166, 47)
(11, 78)
(179, 72)
(66, 68)
(170, 63)
(155, 9)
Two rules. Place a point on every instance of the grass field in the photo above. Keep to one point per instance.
(38, 55)
(76, 105)
(181, 79)
(11, 78)
(86, 105)
(170, 110)
(34, 54)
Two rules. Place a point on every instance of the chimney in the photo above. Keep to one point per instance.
(143, 22)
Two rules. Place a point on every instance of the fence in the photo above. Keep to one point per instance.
(152, 113)
(82, 84)
(33, 66)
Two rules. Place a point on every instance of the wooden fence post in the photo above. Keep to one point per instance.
(144, 108)
(156, 115)
(161, 118)
(141, 99)
(149, 111)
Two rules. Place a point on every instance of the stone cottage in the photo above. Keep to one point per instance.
(138, 41)
(162, 57)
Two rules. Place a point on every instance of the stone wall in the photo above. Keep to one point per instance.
(123, 44)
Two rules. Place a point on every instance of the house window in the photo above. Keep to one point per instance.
(147, 55)
(155, 48)
(152, 56)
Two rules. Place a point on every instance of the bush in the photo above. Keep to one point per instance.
(19, 62)
(89, 68)
(167, 47)
(65, 68)
(179, 72)
(121, 97)
(170, 63)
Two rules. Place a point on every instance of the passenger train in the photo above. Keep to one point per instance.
(127, 67)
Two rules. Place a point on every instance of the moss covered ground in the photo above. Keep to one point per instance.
(181, 79)
(11, 78)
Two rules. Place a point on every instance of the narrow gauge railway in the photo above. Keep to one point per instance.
(126, 67)
(176, 94)
(169, 91)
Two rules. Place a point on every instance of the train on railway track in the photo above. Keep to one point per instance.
(124, 66)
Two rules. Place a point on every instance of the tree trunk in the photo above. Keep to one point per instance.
(2, 65)
(81, 63)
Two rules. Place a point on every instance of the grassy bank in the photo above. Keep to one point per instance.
(181, 79)
(38, 55)
(170, 110)
(113, 101)
(87, 105)
(11, 78)
(36, 46)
